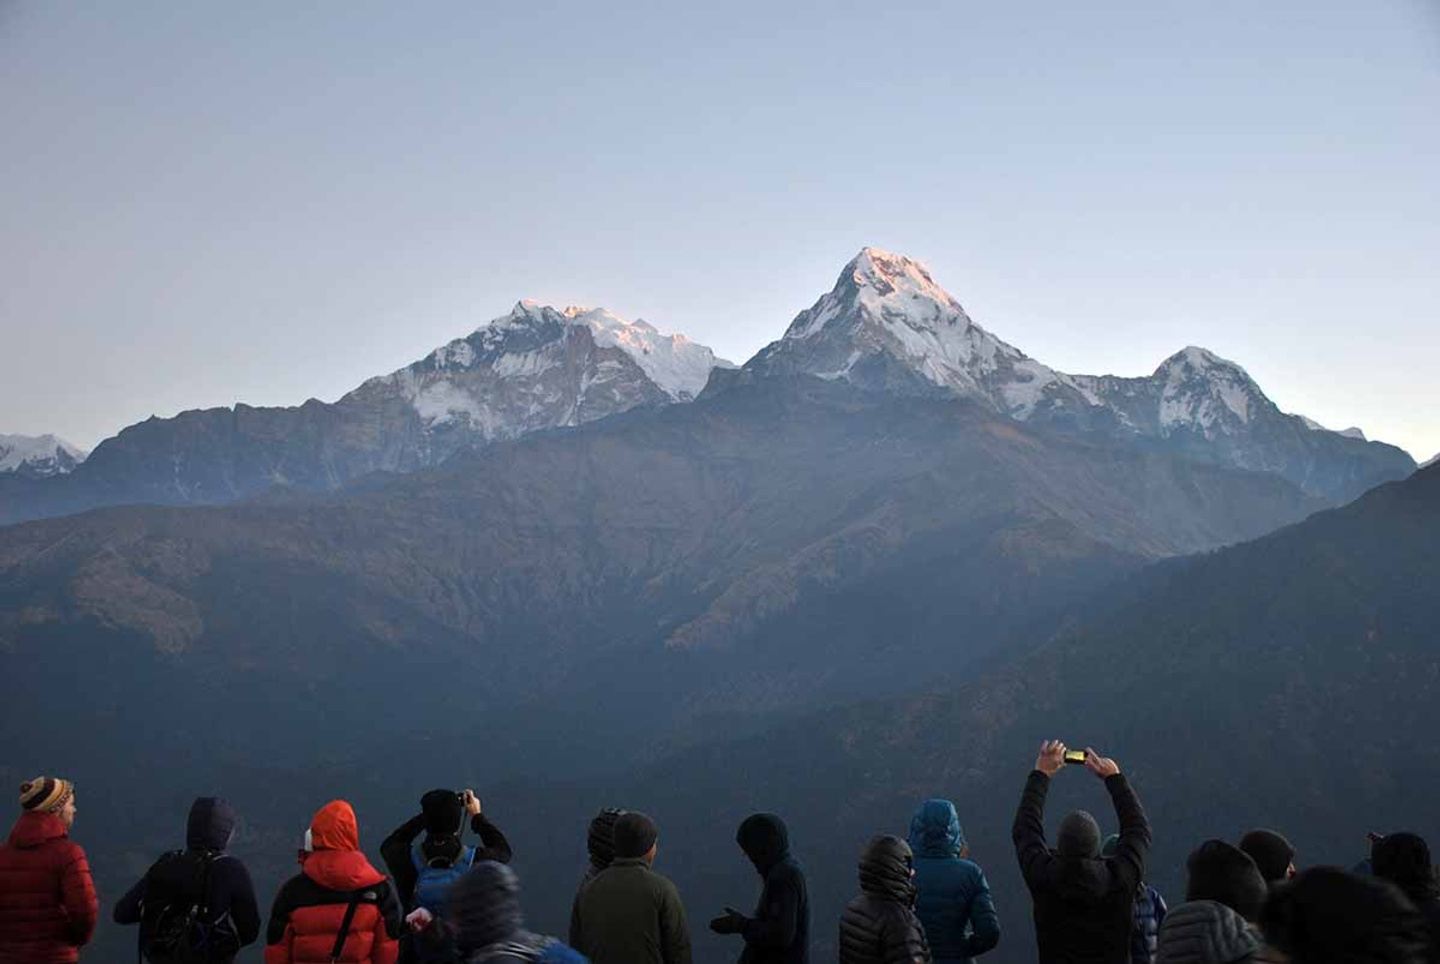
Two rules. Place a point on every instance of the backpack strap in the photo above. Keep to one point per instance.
(355, 900)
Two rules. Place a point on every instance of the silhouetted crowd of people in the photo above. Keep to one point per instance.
(920, 899)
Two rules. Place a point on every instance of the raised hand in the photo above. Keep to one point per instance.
(471, 802)
(1051, 758)
(1101, 766)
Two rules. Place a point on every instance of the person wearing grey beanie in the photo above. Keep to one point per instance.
(1083, 901)
(629, 914)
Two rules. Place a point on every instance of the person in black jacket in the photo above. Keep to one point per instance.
(1083, 902)
(442, 819)
(1327, 916)
(1224, 873)
(202, 875)
(600, 846)
(1404, 860)
(880, 926)
(779, 933)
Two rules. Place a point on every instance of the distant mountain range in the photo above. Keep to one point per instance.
(37, 456)
(886, 325)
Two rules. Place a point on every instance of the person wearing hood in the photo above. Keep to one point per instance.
(879, 926)
(1083, 902)
(487, 927)
(600, 846)
(629, 914)
(1272, 853)
(338, 908)
(953, 898)
(1224, 873)
(1328, 916)
(201, 876)
(1205, 932)
(779, 930)
(1404, 860)
(48, 906)
(1149, 913)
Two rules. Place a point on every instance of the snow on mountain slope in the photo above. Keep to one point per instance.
(542, 367)
(38, 455)
(888, 325)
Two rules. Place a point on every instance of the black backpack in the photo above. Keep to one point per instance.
(184, 931)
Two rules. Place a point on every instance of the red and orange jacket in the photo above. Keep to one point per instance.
(47, 899)
(310, 909)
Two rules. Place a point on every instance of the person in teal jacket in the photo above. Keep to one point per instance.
(953, 898)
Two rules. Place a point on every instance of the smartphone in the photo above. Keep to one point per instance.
(1074, 756)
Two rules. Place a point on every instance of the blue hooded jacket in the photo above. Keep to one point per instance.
(953, 899)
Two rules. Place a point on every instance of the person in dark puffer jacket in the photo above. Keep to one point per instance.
(1404, 860)
(1149, 914)
(48, 906)
(1327, 916)
(779, 931)
(309, 912)
(1084, 904)
(953, 898)
(1205, 932)
(486, 924)
(175, 881)
(880, 926)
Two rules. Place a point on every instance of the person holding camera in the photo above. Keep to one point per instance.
(1083, 902)
(424, 872)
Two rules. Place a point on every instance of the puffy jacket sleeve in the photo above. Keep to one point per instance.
(77, 891)
(129, 909)
(903, 940)
(1028, 833)
(984, 923)
(244, 910)
(279, 935)
(395, 851)
(779, 918)
(1128, 864)
(674, 930)
(493, 845)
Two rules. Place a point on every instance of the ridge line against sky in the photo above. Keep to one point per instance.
(268, 204)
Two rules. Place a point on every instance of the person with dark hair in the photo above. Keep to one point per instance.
(1404, 860)
(1083, 902)
(1224, 873)
(338, 908)
(1149, 912)
(424, 872)
(879, 926)
(198, 900)
(779, 930)
(953, 898)
(48, 906)
(600, 846)
(1205, 932)
(1328, 916)
(629, 914)
(1272, 853)
(485, 925)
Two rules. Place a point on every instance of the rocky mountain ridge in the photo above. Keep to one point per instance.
(888, 325)
(38, 456)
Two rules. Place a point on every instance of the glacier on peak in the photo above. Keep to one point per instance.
(40, 455)
(886, 308)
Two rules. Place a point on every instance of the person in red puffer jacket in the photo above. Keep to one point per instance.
(308, 924)
(47, 899)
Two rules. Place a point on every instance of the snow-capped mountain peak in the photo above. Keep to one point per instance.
(1201, 391)
(38, 455)
(678, 365)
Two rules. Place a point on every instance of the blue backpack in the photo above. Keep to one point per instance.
(436, 877)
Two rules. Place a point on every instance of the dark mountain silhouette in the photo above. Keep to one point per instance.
(1290, 682)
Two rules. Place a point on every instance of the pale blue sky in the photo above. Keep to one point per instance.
(204, 203)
